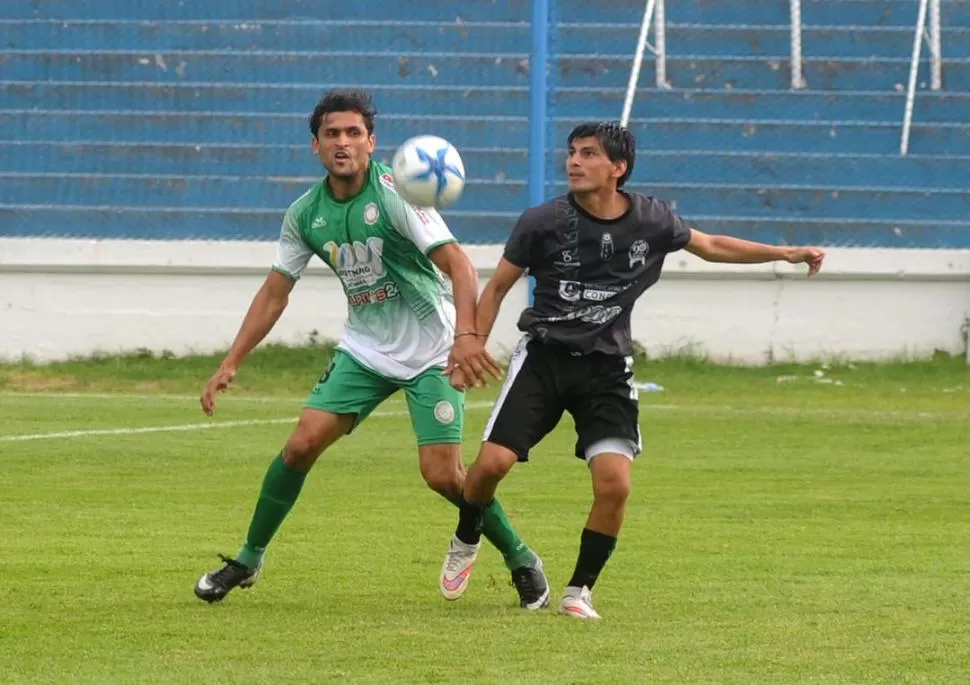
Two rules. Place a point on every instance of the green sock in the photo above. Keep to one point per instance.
(281, 487)
(500, 533)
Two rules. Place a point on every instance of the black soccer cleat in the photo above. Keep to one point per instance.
(532, 585)
(215, 585)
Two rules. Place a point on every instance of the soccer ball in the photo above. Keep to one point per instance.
(428, 172)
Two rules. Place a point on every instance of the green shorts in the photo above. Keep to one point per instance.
(348, 387)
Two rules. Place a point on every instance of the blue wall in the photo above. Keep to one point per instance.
(188, 120)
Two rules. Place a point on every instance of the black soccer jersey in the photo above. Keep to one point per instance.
(589, 272)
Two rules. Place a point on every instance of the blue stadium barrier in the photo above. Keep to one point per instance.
(188, 120)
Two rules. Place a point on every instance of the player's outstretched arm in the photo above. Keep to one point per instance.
(725, 249)
(505, 276)
(264, 312)
(468, 351)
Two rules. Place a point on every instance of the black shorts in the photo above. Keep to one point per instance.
(544, 380)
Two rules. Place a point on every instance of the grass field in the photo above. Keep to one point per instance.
(784, 528)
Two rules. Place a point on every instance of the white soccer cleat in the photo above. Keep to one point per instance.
(578, 602)
(457, 568)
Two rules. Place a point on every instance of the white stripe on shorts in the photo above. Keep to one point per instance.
(515, 365)
(635, 396)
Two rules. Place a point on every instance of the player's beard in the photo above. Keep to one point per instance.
(345, 176)
(347, 171)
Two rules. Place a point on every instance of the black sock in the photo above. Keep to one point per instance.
(594, 550)
(471, 520)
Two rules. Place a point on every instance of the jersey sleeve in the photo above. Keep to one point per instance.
(292, 252)
(423, 226)
(519, 246)
(675, 228)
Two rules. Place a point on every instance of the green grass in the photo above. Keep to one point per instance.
(270, 369)
(779, 532)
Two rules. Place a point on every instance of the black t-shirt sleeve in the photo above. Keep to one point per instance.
(520, 247)
(674, 228)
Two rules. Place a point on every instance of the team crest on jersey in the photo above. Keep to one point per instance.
(570, 291)
(444, 412)
(371, 214)
(638, 253)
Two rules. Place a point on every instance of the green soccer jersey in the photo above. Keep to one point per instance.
(401, 317)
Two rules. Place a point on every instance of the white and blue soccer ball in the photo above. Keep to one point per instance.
(428, 172)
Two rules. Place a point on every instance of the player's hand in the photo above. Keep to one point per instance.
(813, 256)
(457, 380)
(469, 354)
(220, 381)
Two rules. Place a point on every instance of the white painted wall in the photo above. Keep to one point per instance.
(65, 297)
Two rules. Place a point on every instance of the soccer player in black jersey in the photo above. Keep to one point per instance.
(592, 253)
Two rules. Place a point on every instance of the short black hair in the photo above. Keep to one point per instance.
(343, 100)
(619, 143)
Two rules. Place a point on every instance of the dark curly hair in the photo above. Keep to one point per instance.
(343, 100)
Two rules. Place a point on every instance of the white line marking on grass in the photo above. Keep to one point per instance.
(185, 427)
(143, 396)
(723, 408)
(730, 410)
(144, 429)
(742, 410)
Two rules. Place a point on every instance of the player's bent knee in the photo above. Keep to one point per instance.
(315, 432)
(613, 490)
(442, 469)
(495, 461)
(302, 450)
(611, 478)
(446, 483)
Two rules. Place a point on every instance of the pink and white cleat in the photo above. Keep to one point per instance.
(457, 568)
(578, 602)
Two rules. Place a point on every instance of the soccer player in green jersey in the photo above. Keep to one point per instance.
(404, 325)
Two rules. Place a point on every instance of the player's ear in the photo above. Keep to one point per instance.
(315, 145)
(372, 140)
(619, 168)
